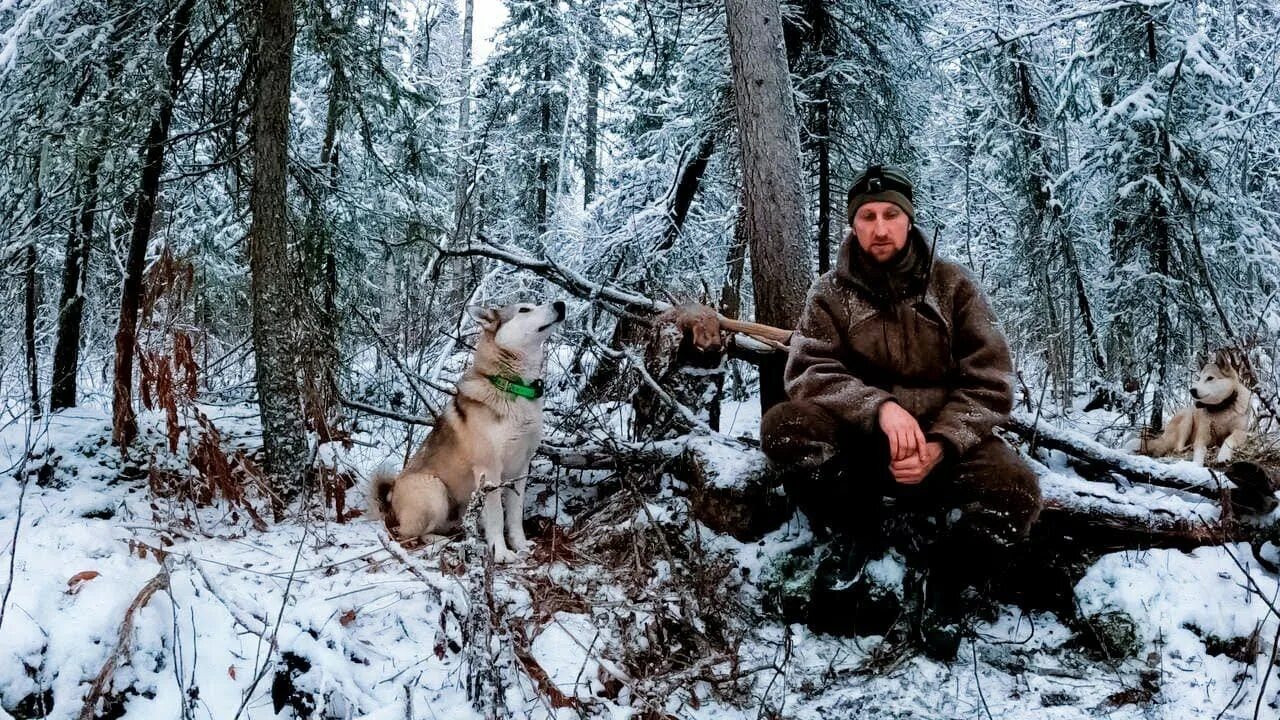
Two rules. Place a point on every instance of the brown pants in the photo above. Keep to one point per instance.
(991, 497)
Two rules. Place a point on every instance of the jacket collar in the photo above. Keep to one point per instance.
(904, 276)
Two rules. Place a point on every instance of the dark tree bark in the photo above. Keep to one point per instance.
(823, 147)
(544, 164)
(1160, 250)
(31, 291)
(686, 188)
(124, 422)
(30, 297)
(1039, 168)
(273, 282)
(772, 182)
(320, 360)
(594, 73)
(735, 262)
(816, 33)
(461, 193)
(75, 274)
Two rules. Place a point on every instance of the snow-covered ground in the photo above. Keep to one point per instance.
(627, 608)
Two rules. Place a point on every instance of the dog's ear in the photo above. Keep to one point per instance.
(1230, 360)
(1201, 359)
(486, 318)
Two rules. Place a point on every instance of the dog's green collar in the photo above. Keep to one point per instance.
(517, 387)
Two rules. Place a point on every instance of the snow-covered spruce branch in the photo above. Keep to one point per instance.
(566, 278)
(1042, 26)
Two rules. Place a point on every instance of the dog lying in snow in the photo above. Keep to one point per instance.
(1222, 414)
(484, 440)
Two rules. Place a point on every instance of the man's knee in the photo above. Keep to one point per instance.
(800, 433)
(1000, 492)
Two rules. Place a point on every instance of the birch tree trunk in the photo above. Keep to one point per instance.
(772, 183)
(274, 284)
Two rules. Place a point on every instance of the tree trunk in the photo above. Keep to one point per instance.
(29, 326)
(321, 358)
(819, 36)
(544, 166)
(461, 193)
(735, 260)
(1160, 250)
(594, 73)
(824, 175)
(686, 187)
(124, 423)
(30, 295)
(1039, 172)
(75, 274)
(273, 282)
(770, 146)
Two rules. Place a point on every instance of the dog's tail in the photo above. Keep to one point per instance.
(380, 486)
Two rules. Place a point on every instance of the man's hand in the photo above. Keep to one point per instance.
(905, 437)
(915, 468)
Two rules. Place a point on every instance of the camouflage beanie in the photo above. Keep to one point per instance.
(882, 183)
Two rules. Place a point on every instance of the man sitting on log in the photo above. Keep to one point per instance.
(897, 374)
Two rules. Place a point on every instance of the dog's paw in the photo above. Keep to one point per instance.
(521, 545)
(503, 555)
(1224, 455)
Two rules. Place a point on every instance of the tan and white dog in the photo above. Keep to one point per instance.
(1222, 414)
(484, 440)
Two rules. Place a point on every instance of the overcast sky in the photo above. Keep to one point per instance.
(489, 15)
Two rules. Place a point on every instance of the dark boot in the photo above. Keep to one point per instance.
(845, 601)
(944, 620)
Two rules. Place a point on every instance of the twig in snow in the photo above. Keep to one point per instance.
(978, 681)
(24, 479)
(261, 672)
(89, 710)
(253, 625)
(1271, 663)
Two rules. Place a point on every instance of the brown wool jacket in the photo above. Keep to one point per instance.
(922, 335)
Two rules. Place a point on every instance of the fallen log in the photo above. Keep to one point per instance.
(1137, 468)
(1244, 488)
(734, 489)
(612, 456)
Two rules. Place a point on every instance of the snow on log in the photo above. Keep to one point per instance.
(733, 489)
(1139, 468)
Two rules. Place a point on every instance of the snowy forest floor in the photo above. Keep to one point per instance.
(627, 607)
